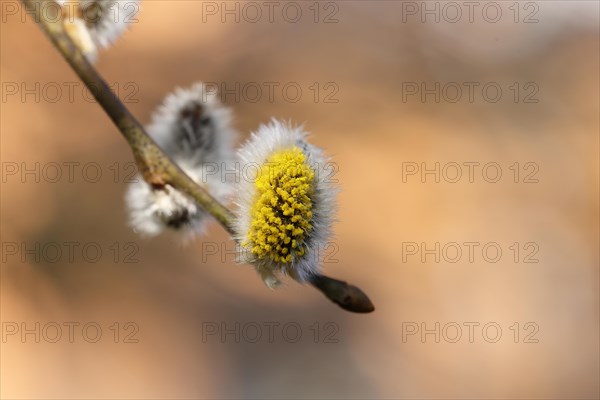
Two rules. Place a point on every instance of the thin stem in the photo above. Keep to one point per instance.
(156, 168)
(154, 165)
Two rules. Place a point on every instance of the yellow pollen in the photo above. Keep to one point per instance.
(282, 210)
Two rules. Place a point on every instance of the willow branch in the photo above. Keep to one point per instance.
(154, 165)
(156, 168)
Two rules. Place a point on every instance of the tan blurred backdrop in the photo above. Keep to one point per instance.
(357, 64)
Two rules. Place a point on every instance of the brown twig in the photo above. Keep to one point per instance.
(154, 165)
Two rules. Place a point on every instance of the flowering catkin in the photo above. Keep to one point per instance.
(94, 24)
(284, 210)
(194, 130)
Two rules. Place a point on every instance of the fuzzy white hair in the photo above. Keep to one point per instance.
(99, 23)
(268, 139)
(203, 134)
(194, 130)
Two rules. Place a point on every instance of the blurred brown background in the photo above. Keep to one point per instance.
(370, 54)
